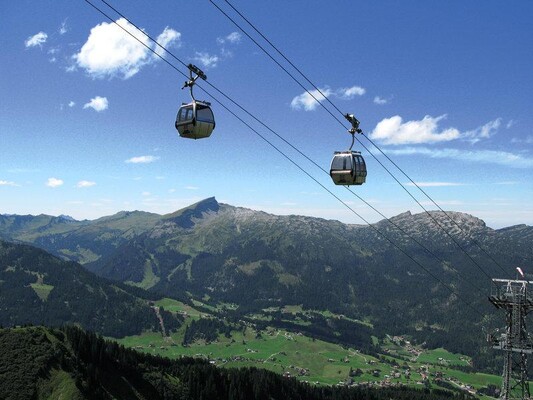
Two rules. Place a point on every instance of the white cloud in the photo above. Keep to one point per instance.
(36, 40)
(168, 38)
(142, 160)
(54, 182)
(191, 187)
(146, 193)
(110, 51)
(510, 124)
(97, 104)
(350, 93)
(483, 132)
(394, 131)
(85, 184)
(482, 156)
(380, 100)
(63, 28)
(233, 37)
(225, 53)
(435, 184)
(71, 104)
(8, 183)
(307, 102)
(207, 60)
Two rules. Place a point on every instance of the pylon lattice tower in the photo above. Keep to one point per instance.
(515, 298)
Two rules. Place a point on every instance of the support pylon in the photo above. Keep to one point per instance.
(516, 300)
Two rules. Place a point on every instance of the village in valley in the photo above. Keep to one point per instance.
(312, 361)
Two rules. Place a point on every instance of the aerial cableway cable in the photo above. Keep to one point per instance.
(277, 149)
(334, 106)
(365, 147)
(295, 148)
(445, 285)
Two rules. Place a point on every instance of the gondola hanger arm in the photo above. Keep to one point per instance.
(193, 69)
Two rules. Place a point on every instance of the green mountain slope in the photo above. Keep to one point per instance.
(41, 363)
(38, 288)
(256, 260)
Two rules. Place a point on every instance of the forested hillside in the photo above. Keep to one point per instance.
(41, 363)
(38, 288)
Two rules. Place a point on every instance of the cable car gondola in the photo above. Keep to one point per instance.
(195, 120)
(349, 167)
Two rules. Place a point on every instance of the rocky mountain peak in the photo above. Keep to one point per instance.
(402, 217)
(468, 223)
(184, 217)
(66, 218)
(209, 204)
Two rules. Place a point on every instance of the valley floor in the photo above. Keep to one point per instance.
(316, 361)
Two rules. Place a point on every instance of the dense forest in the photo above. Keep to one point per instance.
(40, 363)
(38, 288)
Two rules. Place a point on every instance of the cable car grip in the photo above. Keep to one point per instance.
(355, 124)
(193, 69)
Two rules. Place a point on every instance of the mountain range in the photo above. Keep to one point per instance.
(257, 260)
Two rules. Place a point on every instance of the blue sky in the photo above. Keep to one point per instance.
(445, 89)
